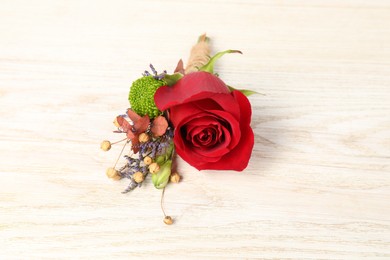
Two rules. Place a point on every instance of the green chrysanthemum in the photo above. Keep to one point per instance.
(141, 96)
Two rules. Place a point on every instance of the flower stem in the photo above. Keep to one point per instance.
(162, 202)
(119, 141)
(120, 154)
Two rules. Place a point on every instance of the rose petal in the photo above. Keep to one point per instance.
(245, 107)
(219, 148)
(230, 121)
(225, 102)
(196, 155)
(206, 101)
(204, 137)
(237, 159)
(188, 86)
(186, 152)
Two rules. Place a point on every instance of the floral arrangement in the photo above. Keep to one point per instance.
(191, 113)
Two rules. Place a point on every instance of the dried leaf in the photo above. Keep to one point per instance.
(200, 54)
(130, 135)
(159, 126)
(123, 124)
(133, 115)
(135, 144)
(179, 67)
(142, 124)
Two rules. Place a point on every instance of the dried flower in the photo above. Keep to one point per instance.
(154, 168)
(168, 220)
(143, 138)
(138, 177)
(200, 54)
(148, 160)
(132, 185)
(112, 173)
(175, 177)
(105, 145)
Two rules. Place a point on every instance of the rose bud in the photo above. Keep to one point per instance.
(143, 138)
(161, 178)
(154, 168)
(113, 174)
(138, 177)
(175, 177)
(105, 145)
(148, 160)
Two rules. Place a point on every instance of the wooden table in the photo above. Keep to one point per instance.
(318, 183)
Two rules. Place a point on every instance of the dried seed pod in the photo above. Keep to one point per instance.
(154, 168)
(138, 177)
(114, 174)
(148, 160)
(175, 177)
(105, 145)
(143, 138)
(116, 123)
(168, 220)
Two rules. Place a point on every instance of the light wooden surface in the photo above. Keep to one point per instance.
(318, 183)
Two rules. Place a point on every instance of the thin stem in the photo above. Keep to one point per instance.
(162, 201)
(119, 141)
(121, 153)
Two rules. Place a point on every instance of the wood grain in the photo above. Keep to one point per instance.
(318, 183)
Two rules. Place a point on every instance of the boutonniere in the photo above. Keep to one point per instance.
(191, 113)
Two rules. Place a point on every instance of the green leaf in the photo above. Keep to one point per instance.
(209, 67)
(171, 79)
(160, 160)
(161, 178)
(246, 92)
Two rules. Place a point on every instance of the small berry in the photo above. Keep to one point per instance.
(116, 123)
(175, 177)
(113, 174)
(105, 145)
(148, 160)
(154, 168)
(143, 138)
(168, 220)
(138, 177)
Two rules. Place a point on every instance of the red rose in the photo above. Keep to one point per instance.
(212, 124)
